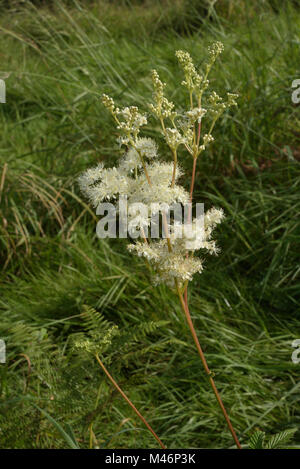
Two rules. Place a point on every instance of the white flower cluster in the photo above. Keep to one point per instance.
(200, 232)
(195, 115)
(146, 180)
(167, 265)
(173, 138)
(160, 193)
(145, 148)
(129, 119)
(132, 121)
(100, 184)
(177, 264)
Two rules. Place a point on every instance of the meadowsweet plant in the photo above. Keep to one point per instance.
(142, 176)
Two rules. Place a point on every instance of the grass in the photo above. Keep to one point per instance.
(245, 305)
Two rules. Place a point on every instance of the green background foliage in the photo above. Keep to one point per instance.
(61, 286)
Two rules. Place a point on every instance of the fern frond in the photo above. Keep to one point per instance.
(257, 440)
(280, 439)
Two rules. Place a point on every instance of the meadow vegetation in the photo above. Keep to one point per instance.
(60, 283)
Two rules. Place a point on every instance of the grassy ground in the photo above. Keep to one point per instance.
(245, 306)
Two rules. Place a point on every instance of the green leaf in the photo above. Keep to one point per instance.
(281, 438)
(67, 436)
(257, 440)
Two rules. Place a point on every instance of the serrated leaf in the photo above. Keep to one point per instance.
(257, 440)
(281, 438)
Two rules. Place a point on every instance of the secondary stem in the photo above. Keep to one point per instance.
(192, 183)
(174, 167)
(191, 194)
(206, 368)
(129, 402)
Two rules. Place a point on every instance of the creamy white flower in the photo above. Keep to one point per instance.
(160, 192)
(144, 250)
(90, 176)
(147, 147)
(168, 265)
(197, 234)
(161, 172)
(130, 120)
(213, 217)
(130, 161)
(99, 184)
(152, 185)
(137, 222)
(173, 138)
(196, 114)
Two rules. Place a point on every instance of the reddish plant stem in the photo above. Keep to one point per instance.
(129, 402)
(192, 183)
(191, 197)
(198, 135)
(206, 368)
(184, 305)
